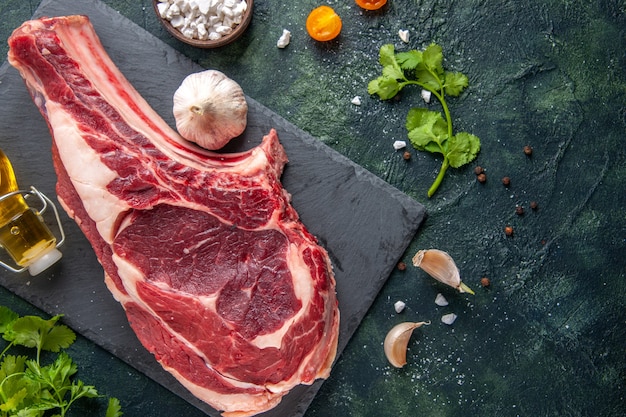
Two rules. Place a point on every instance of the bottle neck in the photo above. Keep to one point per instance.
(12, 206)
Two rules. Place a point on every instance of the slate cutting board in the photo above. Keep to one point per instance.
(363, 222)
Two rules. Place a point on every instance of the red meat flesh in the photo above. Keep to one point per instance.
(219, 278)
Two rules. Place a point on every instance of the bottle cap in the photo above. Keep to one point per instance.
(44, 262)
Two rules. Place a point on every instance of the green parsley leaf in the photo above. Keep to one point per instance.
(114, 409)
(27, 387)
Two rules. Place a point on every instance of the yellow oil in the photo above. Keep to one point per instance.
(23, 234)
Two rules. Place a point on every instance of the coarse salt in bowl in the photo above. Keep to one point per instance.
(204, 23)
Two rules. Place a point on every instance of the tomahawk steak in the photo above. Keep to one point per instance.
(218, 277)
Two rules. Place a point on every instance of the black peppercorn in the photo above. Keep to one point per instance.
(528, 150)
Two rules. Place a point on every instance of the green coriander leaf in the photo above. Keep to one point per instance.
(28, 389)
(462, 149)
(384, 87)
(409, 60)
(455, 83)
(114, 409)
(55, 375)
(14, 401)
(33, 331)
(427, 130)
(394, 73)
(427, 79)
(29, 413)
(12, 364)
(80, 390)
(433, 58)
(387, 56)
(423, 139)
(59, 337)
(7, 317)
(429, 72)
(29, 330)
(22, 335)
(430, 122)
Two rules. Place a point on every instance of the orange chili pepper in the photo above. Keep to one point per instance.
(371, 4)
(323, 24)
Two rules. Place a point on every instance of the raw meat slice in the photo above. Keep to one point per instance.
(218, 277)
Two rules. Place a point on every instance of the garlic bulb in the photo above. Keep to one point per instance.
(397, 341)
(439, 265)
(210, 109)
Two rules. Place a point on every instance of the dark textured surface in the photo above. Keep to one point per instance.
(547, 338)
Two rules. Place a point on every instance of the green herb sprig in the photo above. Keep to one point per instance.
(427, 130)
(28, 388)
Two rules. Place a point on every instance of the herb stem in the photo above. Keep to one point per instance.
(442, 172)
(441, 97)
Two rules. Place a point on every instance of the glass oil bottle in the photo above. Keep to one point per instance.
(23, 233)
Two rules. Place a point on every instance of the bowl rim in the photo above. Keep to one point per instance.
(207, 44)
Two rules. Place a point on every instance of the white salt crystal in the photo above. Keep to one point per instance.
(404, 35)
(399, 144)
(356, 101)
(426, 95)
(284, 39)
(440, 300)
(399, 306)
(448, 318)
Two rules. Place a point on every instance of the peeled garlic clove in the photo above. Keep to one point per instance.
(397, 341)
(439, 265)
(210, 109)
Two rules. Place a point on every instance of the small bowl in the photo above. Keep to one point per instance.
(198, 43)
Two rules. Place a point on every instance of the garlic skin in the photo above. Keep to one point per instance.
(440, 265)
(210, 109)
(397, 341)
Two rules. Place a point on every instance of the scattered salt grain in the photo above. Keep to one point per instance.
(284, 39)
(448, 318)
(399, 144)
(404, 35)
(426, 95)
(440, 300)
(399, 306)
(356, 101)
